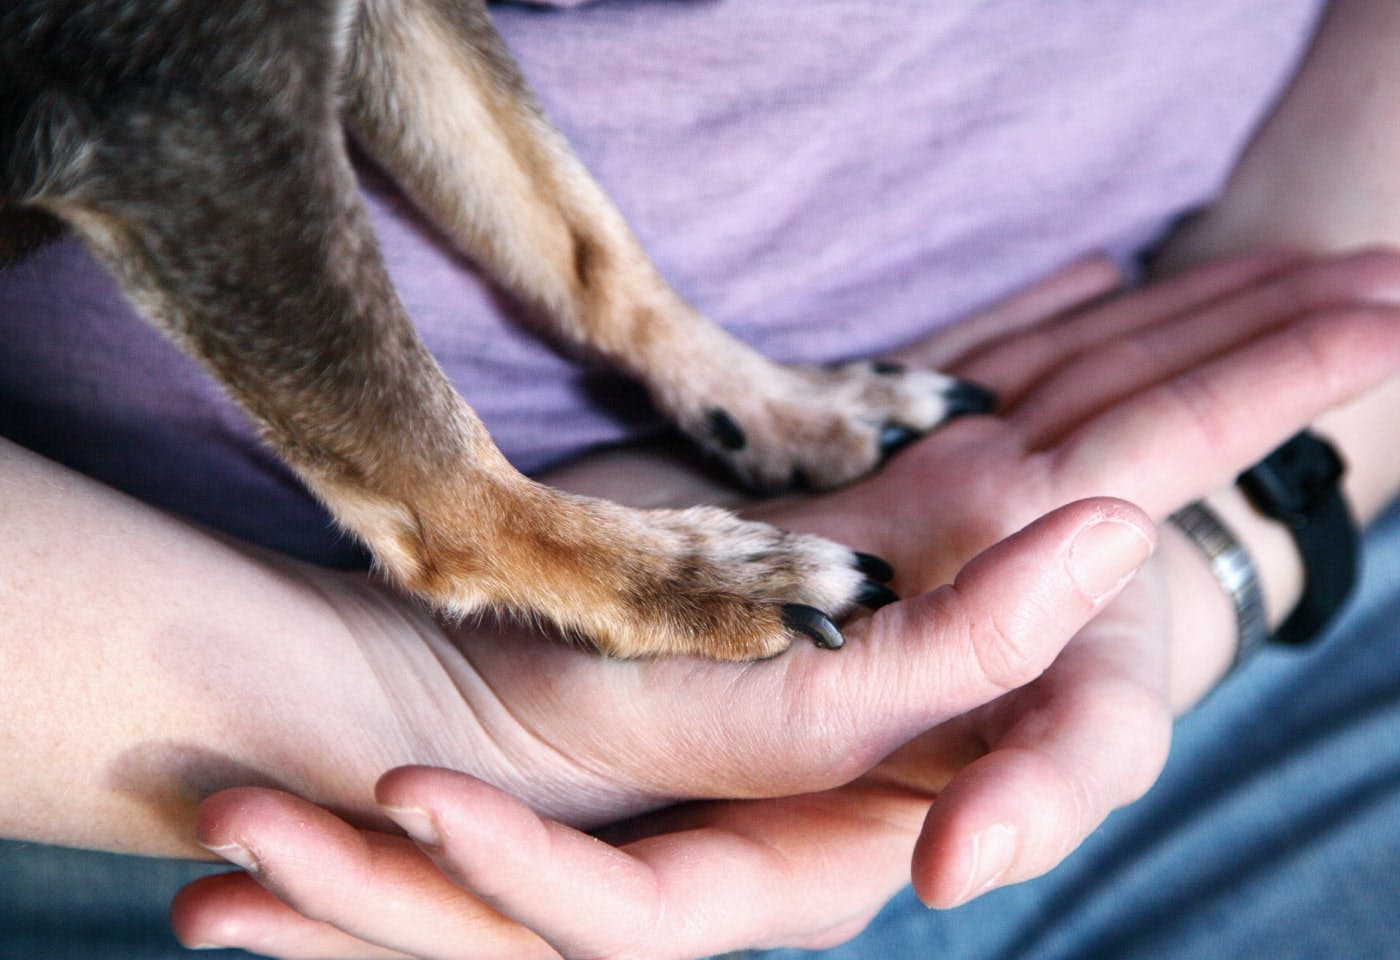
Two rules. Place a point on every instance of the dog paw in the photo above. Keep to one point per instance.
(631, 583)
(712, 585)
(640, 583)
(823, 427)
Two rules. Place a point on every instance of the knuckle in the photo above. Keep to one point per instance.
(1332, 346)
(1192, 393)
(1070, 806)
(1149, 757)
(1139, 729)
(1002, 650)
(1135, 351)
(1082, 807)
(1316, 346)
(1367, 275)
(322, 902)
(1372, 274)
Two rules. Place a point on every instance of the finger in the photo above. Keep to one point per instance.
(1229, 411)
(376, 889)
(1071, 287)
(587, 898)
(1001, 622)
(1133, 360)
(749, 877)
(811, 720)
(231, 910)
(1012, 365)
(1091, 736)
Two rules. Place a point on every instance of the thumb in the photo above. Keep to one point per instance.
(997, 627)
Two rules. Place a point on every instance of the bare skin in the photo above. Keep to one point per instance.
(184, 668)
(857, 837)
(1048, 760)
(240, 233)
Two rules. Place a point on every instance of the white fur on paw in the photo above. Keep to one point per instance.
(723, 552)
(709, 584)
(823, 427)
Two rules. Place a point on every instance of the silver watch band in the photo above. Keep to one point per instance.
(1234, 570)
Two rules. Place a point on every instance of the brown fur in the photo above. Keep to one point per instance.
(198, 150)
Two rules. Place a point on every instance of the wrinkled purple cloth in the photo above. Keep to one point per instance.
(827, 178)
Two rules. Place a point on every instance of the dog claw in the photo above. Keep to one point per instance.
(814, 624)
(874, 595)
(894, 437)
(873, 567)
(964, 397)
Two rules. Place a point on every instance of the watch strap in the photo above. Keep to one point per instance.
(1299, 485)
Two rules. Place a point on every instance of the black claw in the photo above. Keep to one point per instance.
(874, 595)
(894, 437)
(965, 397)
(816, 625)
(729, 434)
(886, 368)
(873, 567)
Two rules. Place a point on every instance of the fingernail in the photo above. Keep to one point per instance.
(992, 851)
(417, 824)
(236, 854)
(1104, 556)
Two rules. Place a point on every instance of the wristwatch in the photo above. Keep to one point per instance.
(1299, 485)
(1234, 571)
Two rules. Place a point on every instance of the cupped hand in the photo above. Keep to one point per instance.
(1158, 396)
(1057, 572)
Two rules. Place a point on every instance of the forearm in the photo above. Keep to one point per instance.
(1323, 172)
(144, 664)
(1321, 176)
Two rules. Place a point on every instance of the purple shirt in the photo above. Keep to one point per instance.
(827, 178)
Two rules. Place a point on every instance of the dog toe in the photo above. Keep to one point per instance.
(814, 624)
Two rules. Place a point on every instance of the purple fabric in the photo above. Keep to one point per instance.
(828, 178)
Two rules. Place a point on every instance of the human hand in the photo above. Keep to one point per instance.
(1035, 739)
(807, 871)
(1049, 578)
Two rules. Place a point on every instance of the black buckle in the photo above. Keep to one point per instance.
(1290, 482)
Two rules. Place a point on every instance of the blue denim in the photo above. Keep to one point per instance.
(1274, 832)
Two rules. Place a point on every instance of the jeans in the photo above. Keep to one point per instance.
(1273, 832)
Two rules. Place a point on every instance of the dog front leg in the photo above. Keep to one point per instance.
(432, 93)
(249, 247)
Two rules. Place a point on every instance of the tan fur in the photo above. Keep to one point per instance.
(631, 583)
(503, 185)
(250, 247)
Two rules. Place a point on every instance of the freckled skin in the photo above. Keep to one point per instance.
(199, 151)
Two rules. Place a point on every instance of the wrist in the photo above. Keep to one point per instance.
(1277, 562)
(145, 664)
(1206, 620)
(1281, 545)
(1203, 623)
